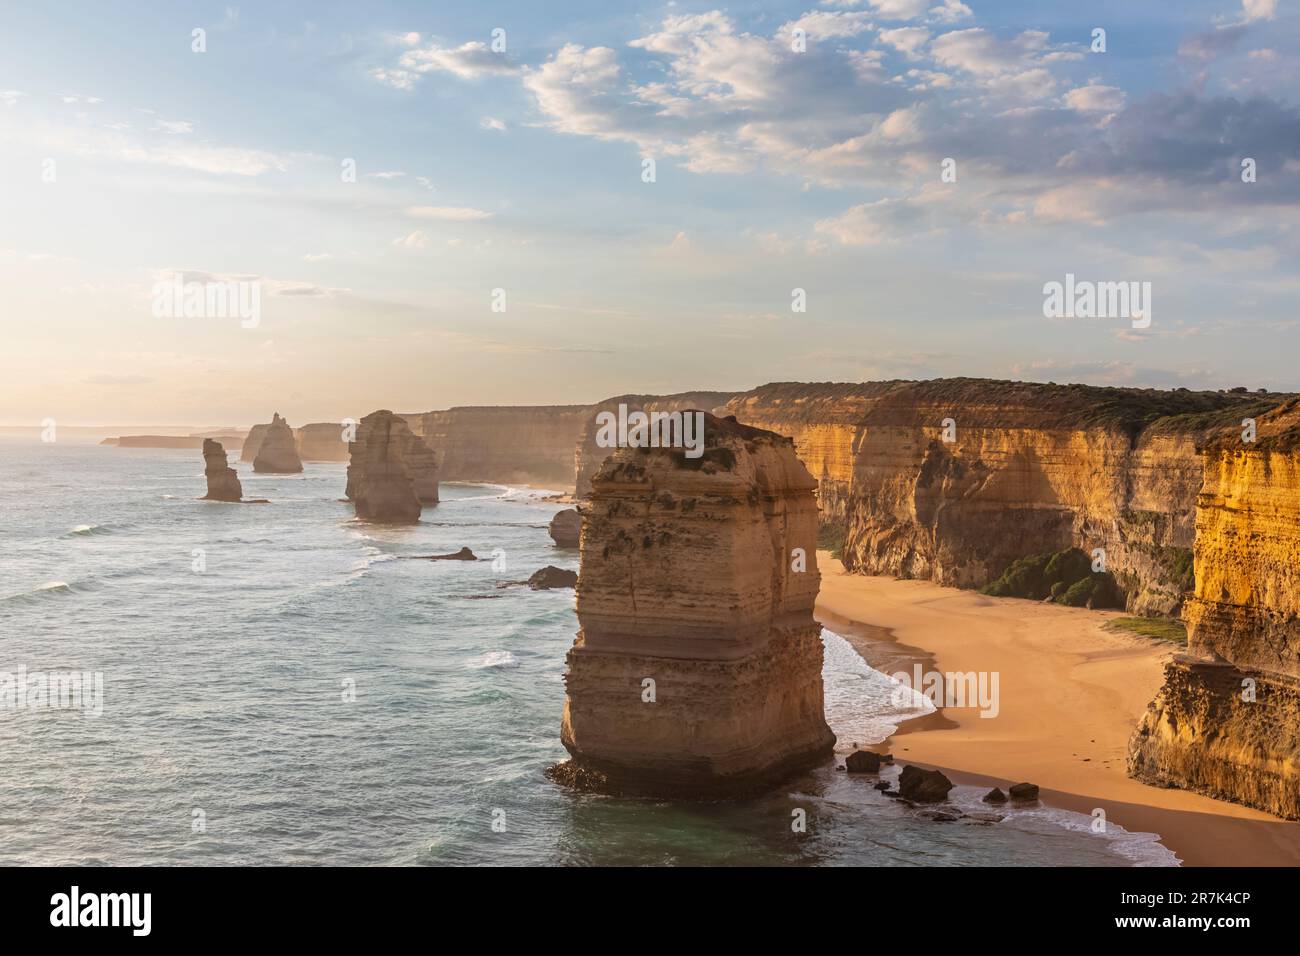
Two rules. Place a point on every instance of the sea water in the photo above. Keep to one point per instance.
(281, 687)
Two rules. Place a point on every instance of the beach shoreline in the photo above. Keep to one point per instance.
(1071, 694)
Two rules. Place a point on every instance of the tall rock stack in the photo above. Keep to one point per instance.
(382, 482)
(223, 483)
(253, 442)
(1227, 721)
(278, 453)
(697, 669)
(589, 455)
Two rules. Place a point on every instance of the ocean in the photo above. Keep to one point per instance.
(280, 687)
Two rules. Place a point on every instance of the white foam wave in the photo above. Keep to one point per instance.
(492, 659)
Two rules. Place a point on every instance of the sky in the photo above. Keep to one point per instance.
(503, 242)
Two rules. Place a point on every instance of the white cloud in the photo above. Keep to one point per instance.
(174, 126)
(950, 11)
(387, 174)
(447, 213)
(491, 122)
(826, 25)
(412, 240)
(468, 61)
(909, 40)
(1095, 98)
(10, 97)
(1259, 9)
(980, 52)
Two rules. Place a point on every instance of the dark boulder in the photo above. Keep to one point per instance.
(995, 796)
(566, 528)
(552, 577)
(1024, 791)
(862, 761)
(923, 786)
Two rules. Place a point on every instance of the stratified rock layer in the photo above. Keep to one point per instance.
(687, 581)
(278, 452)
(223, 483)
(1227, 721)
(1020, 469)
(380, 481)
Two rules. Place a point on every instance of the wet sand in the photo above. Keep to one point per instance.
(1070, 695)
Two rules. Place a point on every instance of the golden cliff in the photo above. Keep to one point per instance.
(954, 479)
(697, 668)
(1227, 721)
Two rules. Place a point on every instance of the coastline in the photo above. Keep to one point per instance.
(1070, 696)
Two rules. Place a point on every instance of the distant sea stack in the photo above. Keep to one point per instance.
(390, 470)
(223, 483)
(697, 668)
(278, 452)
(1227, 721)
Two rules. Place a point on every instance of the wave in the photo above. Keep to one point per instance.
(48, 589)
(87, 529)
(864, 705)
(492, 659)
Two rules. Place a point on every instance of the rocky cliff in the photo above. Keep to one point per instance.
(321, 441)
(503, 444)
(697, 668)
(381, 483)
(278, 452)
(223, 483)
(1227, 721)
(954, 479)
(589, 456)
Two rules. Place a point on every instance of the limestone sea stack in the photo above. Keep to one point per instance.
(223, 483)
(1227, 721)
(697, 671)
(278, 453)
(381, 483)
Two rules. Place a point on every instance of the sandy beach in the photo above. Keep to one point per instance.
(1071, 693)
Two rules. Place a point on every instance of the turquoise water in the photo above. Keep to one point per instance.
(228, 637)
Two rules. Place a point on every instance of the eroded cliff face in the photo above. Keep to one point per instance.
(321, 441)
(954, 479)
(697, 669)
(505, 444)
(589, 456)
(223, 482)
(381, 482)
(1227, 721)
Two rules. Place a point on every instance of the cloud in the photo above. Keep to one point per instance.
(827, 25)
(412, 240)
(1259, 9)
(386, 174)
(10, 97)
(1095, 98)
(492, 123)
(909, 40)
(469, 61)
(447, 213)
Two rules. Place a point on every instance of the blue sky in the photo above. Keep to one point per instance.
(776, 168)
